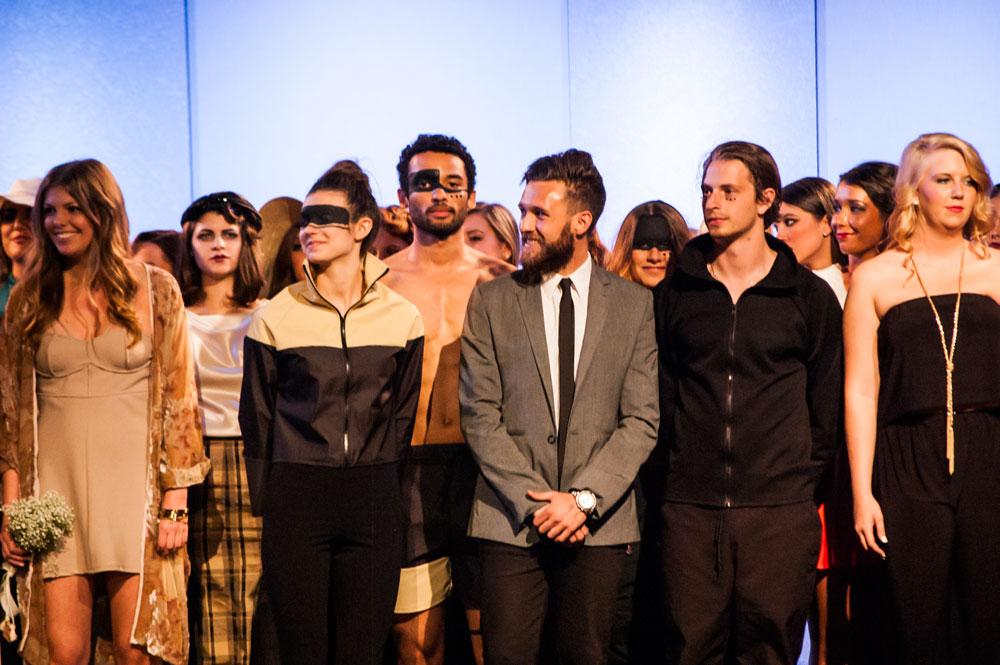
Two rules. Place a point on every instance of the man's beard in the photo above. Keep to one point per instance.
(551, 257)
(440, 230)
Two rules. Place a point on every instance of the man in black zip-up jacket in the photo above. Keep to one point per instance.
(751, 383)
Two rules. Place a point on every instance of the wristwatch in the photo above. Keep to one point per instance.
(585, 501)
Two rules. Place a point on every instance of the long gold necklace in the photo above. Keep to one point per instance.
(949, 356)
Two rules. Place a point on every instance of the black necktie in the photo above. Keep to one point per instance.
(567, 379)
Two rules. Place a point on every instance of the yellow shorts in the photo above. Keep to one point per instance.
(423, 586)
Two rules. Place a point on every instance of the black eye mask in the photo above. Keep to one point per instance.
(321, 215)
(652, 231)
(430, 179)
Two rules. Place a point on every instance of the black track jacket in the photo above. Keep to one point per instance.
(751, 392)
(330, 388)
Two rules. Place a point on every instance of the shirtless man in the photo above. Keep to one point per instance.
(437, 272)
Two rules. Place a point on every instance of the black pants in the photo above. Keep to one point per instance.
(331, 550)
(577, 585)
(944, 538)
(739, 581)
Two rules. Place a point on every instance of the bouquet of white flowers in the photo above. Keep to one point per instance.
(38, 525)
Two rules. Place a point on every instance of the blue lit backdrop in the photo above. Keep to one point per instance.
(185, 98)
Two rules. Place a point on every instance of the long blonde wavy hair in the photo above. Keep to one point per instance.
(908, 216)
(38, 298)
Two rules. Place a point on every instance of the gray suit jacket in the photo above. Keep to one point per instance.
(507, 418)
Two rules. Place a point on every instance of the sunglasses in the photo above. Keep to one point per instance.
(8, 214)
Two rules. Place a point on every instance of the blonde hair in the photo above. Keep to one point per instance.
(38, 299)
(908, 216)
(504, 227)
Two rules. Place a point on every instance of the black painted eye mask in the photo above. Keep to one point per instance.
(652, 231)
(430, 179)
(322, 215)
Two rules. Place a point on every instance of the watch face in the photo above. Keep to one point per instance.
(586, 501)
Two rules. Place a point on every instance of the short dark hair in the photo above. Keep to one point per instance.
(575, 169)
(435, 143)
(169, 243)
(248, 281)
(878, 180)
(347, 177)
(763, 169)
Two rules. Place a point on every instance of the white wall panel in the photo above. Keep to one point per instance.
(891, 71)
(103, 79)
(655, 85)
(281, 91)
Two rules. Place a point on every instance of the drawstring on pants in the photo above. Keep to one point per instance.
(718, 542)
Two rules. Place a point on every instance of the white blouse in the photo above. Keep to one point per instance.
(833, 276)
(217, 345)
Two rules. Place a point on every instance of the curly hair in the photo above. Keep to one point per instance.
(37, 301)
(435, 143)
(908, 216)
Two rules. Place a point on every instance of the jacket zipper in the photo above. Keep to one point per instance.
(347, 358)
(347, 376)
(728, 432)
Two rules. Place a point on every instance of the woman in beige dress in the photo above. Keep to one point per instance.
(101, 408)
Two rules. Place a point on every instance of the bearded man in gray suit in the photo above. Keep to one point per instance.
(559, 402)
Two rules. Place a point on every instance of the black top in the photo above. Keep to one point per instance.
(911, 360)
(751, 392)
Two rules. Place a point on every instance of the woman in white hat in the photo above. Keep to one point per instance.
(15, 233)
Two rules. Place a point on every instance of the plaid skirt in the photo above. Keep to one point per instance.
(224, 546)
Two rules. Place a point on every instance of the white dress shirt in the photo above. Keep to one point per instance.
(551, 296)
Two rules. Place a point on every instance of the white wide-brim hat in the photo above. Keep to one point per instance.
(23, 192)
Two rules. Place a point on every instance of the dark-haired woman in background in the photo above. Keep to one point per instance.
(100, 389)
(221, 282)
(805, 224)
(862, 205)
(923, 406)
(651, 233)
(158, 248)
(329, 395)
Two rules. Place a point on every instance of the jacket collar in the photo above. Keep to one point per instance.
(784, 274)
(372, 270)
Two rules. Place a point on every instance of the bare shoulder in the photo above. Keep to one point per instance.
(877, 283)
(400, 262)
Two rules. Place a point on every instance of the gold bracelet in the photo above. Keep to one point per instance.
(174, 514)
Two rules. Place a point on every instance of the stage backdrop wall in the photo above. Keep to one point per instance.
(181, 99)
(891, 71)
(104, 79)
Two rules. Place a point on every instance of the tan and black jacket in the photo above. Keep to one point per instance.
(328, 388)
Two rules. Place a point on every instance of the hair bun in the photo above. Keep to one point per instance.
(350, 167)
